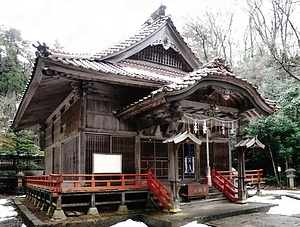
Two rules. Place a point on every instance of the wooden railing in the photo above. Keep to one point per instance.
(159, 190)
(253, 176)
(224, 181)
(224, 184)
(63, 183)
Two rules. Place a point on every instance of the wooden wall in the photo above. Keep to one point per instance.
(218, 156)
(102, 100)
(70, 156)
(62, 139)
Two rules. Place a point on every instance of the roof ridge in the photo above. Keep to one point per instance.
(136, 37)
(45, 51)
(69, 55)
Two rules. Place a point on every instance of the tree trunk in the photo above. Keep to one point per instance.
(273, 163)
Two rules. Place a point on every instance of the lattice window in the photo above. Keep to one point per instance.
(124, 146)
(105, 144)
(158, 54)
(154, 154)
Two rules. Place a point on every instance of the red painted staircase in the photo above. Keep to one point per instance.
(159, 190)
(225, 186)
(223, 181)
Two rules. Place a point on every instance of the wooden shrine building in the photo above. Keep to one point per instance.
(115, 111)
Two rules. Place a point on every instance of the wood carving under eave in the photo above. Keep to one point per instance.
(228, 82)
(142, 106)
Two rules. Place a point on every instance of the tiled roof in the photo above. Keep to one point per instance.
(146, 30)
(97, 63)
(128, 69)
(215, 67)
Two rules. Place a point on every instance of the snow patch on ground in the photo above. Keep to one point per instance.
(288, 202)
(286, 205)
(6, 212)
(194, 224)
(130, 223)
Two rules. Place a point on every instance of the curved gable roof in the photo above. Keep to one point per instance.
(215, 73)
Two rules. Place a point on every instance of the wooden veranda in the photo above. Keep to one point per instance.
(51, 191)
(58, 192)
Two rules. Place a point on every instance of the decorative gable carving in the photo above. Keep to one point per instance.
(166, 43)
(162, 54)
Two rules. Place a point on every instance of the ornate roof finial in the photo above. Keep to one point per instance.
(219, 63)
(161, 11)
(42, 48)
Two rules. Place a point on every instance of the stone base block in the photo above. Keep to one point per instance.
(93, 211)
(59, 214)
(122, 209)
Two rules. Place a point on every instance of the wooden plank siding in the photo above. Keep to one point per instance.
(70, 156)
(218, 156)
(70, 119)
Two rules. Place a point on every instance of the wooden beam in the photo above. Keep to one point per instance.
(206, 106)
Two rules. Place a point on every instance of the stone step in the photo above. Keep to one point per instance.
(215, 195)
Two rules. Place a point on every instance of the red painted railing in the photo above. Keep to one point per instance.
(62, 183)
(223, 180)
(159, 190)
(254, 176)
(223, 184)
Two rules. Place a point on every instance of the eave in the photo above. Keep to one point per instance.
(230, 83)
(215, 74)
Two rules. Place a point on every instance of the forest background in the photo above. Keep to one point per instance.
(268, 56)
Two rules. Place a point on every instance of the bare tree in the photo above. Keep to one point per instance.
(211, 35)
(276, 31)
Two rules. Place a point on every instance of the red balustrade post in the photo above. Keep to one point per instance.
(258, 192)
(149, 179)
(93, 183)
(51, 179)
(59, 183)
(122, 180)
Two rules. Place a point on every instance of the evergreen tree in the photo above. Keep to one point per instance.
(13, 72)
(281, 135)
(20, 147)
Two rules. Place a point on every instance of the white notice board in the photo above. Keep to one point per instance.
(107, 163)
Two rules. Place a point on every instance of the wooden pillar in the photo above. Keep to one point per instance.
(173, 177)
(241, 176)
(137, 154)
(82, 136)
(122, 209)
(197, 162)
(93, 209)
(208, 170)
(59, 213)
(229, 155)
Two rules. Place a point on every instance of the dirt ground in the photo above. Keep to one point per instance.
(258, 220)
